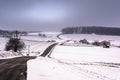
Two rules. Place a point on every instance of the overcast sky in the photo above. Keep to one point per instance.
(53, 15)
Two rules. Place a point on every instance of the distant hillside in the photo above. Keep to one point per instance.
(5, 33)
(91, 30)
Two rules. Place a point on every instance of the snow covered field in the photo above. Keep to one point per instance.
(69, 62)
(35, 48)
(78, 62)
(91, 37)
(38, 44)
(87, 54)
(49, 36)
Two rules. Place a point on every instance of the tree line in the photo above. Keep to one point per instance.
(91, 30)
(6, 33)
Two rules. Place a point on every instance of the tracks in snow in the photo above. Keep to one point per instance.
(88, 73)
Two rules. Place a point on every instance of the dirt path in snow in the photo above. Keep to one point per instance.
(14, 69)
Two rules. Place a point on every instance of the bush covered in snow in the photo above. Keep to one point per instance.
(84, 41)
(96, 43)
(105, 44)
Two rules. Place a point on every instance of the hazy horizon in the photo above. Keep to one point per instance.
(53, 15)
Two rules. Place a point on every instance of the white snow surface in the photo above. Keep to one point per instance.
(89, 54)
(49, 36)
(34, 48)
(76, 63)
(92, 37)
(3, 41)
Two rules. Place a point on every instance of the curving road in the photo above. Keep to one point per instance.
(15, 68)
(48, 50)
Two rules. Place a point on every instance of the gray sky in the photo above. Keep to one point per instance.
(53, 15)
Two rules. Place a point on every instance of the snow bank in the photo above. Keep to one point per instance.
(9, 54)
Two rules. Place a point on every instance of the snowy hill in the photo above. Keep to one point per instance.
(78, 62)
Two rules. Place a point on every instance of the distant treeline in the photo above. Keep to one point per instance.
(91, 30)
(5, 33)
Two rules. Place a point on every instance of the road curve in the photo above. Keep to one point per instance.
(58, 36)
(48, 50)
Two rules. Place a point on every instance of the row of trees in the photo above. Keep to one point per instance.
(91, 29)
(5, 33)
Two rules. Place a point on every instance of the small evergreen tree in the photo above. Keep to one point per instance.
(15, 44)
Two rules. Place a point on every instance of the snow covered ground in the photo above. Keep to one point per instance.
(69, 62)
(51, 69)
(35, 36)
(38, 44)
(77, 63)
(91, 37)
(34, 48)
(88, 54)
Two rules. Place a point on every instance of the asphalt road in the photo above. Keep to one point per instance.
(15, 68)
(48, 50)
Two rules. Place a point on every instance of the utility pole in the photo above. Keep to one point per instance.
(28, 50)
